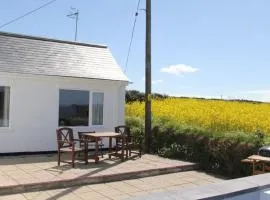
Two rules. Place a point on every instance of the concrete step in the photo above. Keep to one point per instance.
(146, 166)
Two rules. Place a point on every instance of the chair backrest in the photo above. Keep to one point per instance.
(124, 131)
(81, 135)
(64, 137)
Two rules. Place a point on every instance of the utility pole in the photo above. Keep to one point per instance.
(74, 14)
(148, 126)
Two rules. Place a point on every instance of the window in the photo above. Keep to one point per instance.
(97, 108)
(4, 106)
(73, 108)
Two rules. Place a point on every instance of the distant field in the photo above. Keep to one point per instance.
(211, 114)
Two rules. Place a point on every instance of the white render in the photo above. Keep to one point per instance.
(34, 107)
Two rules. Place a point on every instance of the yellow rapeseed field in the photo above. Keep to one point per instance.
(215, 115)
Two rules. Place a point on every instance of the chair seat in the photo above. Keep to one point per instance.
(126, 144)
(69, 149)
(92, 145)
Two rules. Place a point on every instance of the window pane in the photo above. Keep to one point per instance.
(73, 108)
(97, 109)
(4, 106)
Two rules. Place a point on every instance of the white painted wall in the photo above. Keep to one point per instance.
(34, 105)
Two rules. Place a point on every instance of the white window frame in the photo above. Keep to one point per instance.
(7, 128)
(92, 96)
(91, 91)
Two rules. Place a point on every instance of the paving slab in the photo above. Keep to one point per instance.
(126, 189)
(40, 172)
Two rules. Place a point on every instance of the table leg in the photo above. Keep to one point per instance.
(86, 152)
(96, 151)
(123, 149)
(253, 167)
(110, 147)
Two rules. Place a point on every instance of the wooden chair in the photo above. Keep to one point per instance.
(66, 144)
(90, 142)
(130, 142)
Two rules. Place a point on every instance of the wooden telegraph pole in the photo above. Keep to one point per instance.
(148, 131)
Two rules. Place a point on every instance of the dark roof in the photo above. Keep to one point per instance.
(51, 57)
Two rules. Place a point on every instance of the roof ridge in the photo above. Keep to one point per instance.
(50, 39)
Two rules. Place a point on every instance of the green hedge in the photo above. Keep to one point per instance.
(219, 153)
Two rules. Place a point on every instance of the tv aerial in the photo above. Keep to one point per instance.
(74, 14)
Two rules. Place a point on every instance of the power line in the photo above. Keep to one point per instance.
(132, 34)
(26, 14)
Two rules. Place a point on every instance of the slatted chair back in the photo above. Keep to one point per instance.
(124, 131)
(82, 137)
(64, 137)
(130, 141)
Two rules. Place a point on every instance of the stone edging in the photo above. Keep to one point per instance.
(217, 191)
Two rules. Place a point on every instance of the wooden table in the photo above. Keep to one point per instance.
(110, 135)
(257, 160)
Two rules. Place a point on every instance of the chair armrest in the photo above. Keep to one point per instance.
(85, 141)
(62, 142)
(78, 140)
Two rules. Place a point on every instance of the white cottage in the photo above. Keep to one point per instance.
(47, 83)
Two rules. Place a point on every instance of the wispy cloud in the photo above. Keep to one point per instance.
(157, 81)
(260, 95)
(154, 82)
(256, 92)
(179, 69)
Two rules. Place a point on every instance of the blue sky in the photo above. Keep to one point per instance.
(200, 48)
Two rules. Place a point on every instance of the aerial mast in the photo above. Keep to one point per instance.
(74, 14)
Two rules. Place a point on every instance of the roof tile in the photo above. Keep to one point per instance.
(42, 56)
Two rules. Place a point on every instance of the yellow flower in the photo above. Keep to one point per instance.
(215, 115)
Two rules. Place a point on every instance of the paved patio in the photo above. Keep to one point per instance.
(125, 189)
(35, 173)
